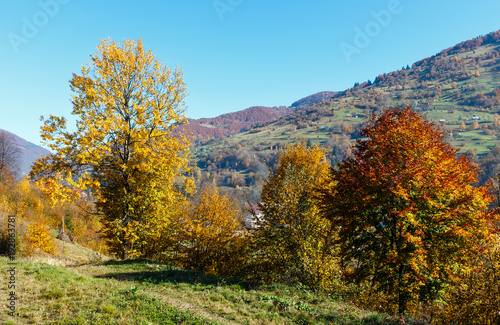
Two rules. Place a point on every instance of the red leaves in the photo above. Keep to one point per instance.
(406, 198)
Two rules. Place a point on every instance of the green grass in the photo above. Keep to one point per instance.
(57, 295)
(143, 292)
(284, 134)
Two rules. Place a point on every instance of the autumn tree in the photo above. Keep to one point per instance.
(474, 297)
(405, 209)
(211, 237)
(293, 242)
(10, 155)
(38, 238)
(345, 128)
(339, 146)
(126, 103)
(496, 121)
(474, 125)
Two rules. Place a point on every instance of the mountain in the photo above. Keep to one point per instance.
(458, 88)
(29, 152)
(463, 77)
(313, 99)
(232, 123)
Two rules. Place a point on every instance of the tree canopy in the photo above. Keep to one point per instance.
(211, 234)
(292, 240)
(122, 150)
(406, 212)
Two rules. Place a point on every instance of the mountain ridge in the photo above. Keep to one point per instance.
(29, 152)
(458, 89)
(231, 123)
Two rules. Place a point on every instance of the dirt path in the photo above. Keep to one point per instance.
(164, 297)
(193, 308)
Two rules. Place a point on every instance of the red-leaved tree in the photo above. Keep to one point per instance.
(407, 214)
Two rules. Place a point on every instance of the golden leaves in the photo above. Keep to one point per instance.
(122, 150)
(38, 237)
(211, 234)
(294, 241)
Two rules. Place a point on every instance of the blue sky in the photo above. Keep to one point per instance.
(234, 53)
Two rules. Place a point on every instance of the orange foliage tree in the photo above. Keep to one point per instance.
(407, 215)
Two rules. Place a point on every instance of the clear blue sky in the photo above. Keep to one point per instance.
(234, 53)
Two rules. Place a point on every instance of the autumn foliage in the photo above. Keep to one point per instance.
(398, 223)
(38, 221)
(122, 151)
(292, 242)
(211, 236)
(474, 295)
(39, 238)
(406, 212)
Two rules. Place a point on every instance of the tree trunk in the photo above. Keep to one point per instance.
(402, 298)
(124, 249)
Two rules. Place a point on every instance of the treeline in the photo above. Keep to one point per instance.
(232, 123)
(471, 45)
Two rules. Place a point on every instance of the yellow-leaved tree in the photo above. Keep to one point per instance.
(122, 149)
(293, 242)
(212, 238)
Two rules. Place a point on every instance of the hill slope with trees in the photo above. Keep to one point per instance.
(367, 203)
(232, 123)
(459, 88)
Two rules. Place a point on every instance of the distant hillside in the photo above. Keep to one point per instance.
(29, 152)
(232, 123)
(464, 77)
(313, 99)
(458, 88)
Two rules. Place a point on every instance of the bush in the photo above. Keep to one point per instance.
(211, 237)
(38, 238)
(474, 296)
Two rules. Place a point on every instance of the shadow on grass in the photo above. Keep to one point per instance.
(133, 270)
(151, 272)
(128, 262)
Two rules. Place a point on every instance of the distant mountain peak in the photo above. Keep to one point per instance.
(232, 123)
(29, 152)
(314, 98)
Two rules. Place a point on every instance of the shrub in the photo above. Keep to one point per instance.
(38, 237)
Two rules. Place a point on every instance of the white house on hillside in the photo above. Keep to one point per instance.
(250, 218)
